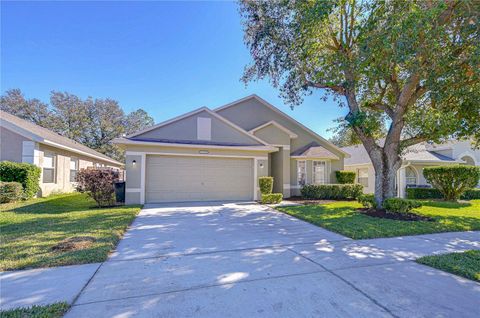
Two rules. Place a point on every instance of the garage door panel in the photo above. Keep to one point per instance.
(198, 178)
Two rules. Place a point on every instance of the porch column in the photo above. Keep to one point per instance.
(286, 171)
(401, 184)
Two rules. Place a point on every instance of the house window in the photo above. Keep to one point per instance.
(49, 168)
(410, 176)
(301, 172)
(362, 177)
(319, 172)
(73, 169)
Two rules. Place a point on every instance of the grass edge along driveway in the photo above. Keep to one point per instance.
(56, 310)
(30, 229)
(341, 217)
(465, 264)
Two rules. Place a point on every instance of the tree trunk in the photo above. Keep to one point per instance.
(386, 165)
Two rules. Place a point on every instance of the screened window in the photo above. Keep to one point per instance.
(73, 169)
(301, 173)
(49, 168)
(362, 177)
(319, 172)
(411, 176)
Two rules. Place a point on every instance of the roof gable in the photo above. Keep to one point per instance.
(183, 129)
(233, 111)
(290, 133)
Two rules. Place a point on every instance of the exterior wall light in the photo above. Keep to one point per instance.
(261, 165)
(134, 162)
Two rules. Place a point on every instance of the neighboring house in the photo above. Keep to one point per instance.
(415, 159)
(220, 154)
(60, 158)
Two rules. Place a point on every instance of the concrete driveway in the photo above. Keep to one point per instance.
(246, 260)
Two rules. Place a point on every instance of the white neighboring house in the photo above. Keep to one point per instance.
(415, 159)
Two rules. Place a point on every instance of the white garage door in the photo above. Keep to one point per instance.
(173, 178)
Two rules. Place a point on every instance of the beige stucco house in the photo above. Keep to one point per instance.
(220, 154)
(60, 158)
(415, 159)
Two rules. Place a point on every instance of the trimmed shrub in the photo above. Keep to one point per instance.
(344, 177)
(272, 198)
(331, 191)
(265, 184)
(98, 184)
(399, 205)
(367, 200)
(25, 173)
(431, 193)
(472, 194)
(452, 181)
(10, 192)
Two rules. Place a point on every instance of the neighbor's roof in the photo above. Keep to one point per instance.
(48, 137)
(416, 153)
(314, 150)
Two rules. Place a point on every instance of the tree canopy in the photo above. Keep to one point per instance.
(92, 122)
(411, 65)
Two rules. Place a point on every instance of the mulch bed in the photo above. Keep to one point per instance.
(382, 213)
(303, 201)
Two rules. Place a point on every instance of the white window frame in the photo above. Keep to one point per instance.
(365, 179)
(77, 167)
(304, 172)
(407, 178)
(324, 181)
(54, 167)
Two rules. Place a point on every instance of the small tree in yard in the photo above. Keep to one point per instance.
(452, 181)
(413, 66)
(98, 183)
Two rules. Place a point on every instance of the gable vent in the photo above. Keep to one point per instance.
(204, 128)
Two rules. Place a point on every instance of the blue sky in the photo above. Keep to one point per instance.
(165, 57)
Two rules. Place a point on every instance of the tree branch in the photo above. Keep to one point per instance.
(412, 141)
(336, 88)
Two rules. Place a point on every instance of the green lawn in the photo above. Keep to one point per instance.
(29, 230)
(51, 311)
(341, 217)
(466, 264)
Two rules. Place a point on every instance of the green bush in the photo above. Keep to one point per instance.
(431, 193)
(25, 173)
(266, 185)
(272, 198)
(367, 200)
(10, 192)
(472, 194)
(344, 177)
(452, 181)
(331, 191)
(399, 205)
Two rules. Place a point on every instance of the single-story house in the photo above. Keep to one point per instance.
(415, 159)
(59, 157)
(219, 154)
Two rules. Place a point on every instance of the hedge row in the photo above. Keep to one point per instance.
(25, 173)
(431, 193)
(344, 177)
(332, 191)
(10, 192)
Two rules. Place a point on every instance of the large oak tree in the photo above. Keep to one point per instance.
(412, 65)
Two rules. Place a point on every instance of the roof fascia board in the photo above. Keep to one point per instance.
(123, 141)
(19, 130)
(274, 123)
(275, 109)
(57, 145)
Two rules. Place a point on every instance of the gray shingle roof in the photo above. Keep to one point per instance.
(46, 134)
(417, 152)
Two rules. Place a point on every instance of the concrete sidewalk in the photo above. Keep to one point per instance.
(237, 260)
(43, 286)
